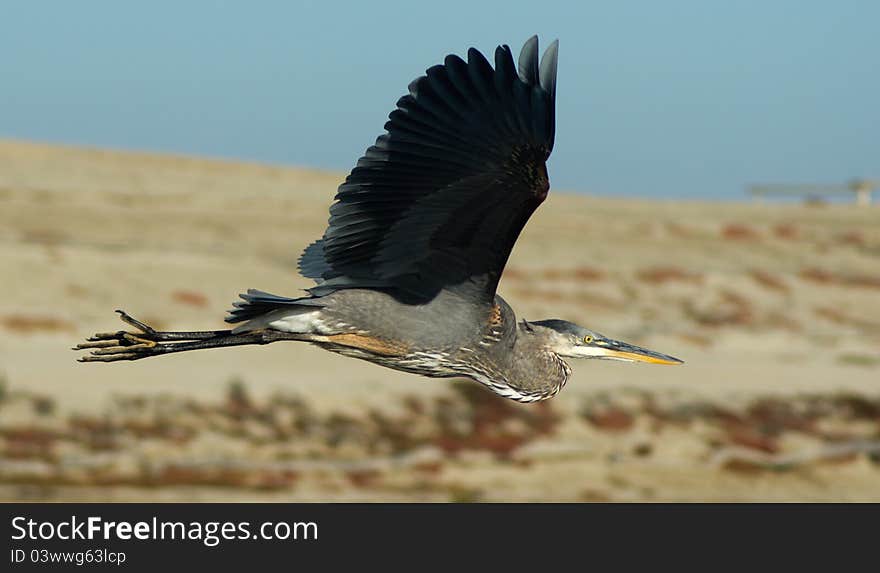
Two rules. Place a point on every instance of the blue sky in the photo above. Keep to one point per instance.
(688, 99)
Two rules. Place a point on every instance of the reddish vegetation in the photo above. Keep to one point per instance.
(817, 276)
(612, 419)
(515, 274)
(50, 237)
(678, 230)
(774, 416)
(738, 232)
(28, 443)
(472, 419)
(429, 468)
(734, 298)
(576, 274)
(659, 275)
(487, 420)
(363, 478)
(854, 238)
(821, 276)
(863, 281)
(733, 310)
(581, 273)
(588, 274)
(768, 280)
(752, 439)
(779, 319)
(189, 298)
(27, 324)
(182, 475)
(834, 315)
(786, 231)
(758, 426)
(696, 339)
(594, 496)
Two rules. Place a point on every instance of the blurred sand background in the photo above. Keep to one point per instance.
(775, 309)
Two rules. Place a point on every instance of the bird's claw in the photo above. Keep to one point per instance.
(121, 345)
(145, 328)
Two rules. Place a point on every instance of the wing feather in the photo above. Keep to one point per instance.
(439, 200)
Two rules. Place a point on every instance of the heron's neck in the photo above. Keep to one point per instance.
(537, 369)
(518, 362)
(531, 370)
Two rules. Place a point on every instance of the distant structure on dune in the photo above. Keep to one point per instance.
(860, 188)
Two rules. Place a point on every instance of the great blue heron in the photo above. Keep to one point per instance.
(418, 236)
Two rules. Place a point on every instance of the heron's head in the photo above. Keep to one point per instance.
(572, 341)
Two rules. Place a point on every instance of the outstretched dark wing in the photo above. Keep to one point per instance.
(440, 199)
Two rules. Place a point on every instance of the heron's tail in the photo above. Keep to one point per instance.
(258, 303)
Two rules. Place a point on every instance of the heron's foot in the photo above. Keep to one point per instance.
(122, 345)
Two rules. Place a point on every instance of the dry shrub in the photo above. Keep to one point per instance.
(863, 281)
(174, 475)
(189, 298)
(97, 434)
(681, 231)
(611, 419)
(29, 324)
(515, 274)
(582, 273)
(485, 422)
(833, 314)
(76, 291)
(594, 496)
(238, 401)
(738, 232)
(786, 231)
(361, 478)
(854, 238)
(660, 275)
(428, 468)
(28, 443)
(463, 494)
(855, 359)
(768, 281)
(732, 309)
(820, 276)
(695, 339)
(734, 298)
(778, 319)
(773, 416)
(748, 437)
(553, 274)
(51, 237)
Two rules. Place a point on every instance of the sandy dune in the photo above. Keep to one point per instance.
(774, 308)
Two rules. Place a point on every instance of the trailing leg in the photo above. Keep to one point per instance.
(122, 345)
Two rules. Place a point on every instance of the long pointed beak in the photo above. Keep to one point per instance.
(616, 350)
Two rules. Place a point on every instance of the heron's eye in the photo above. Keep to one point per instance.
(588, 339)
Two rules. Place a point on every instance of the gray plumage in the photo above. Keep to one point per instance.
(417, 240)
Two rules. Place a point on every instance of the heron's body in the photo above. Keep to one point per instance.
(447, 336)
(418, 237)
